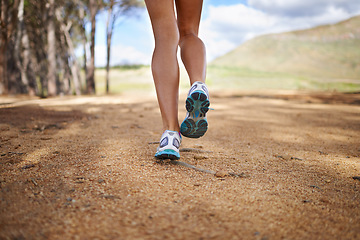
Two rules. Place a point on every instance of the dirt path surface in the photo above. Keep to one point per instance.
(83, 168)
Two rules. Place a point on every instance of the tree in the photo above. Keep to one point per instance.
(23, 58)
(35, 20)
(51, 49)
(115, 11)
(83, 31)
(90, 78)
(38, 39)
(8, 21)
(109, 30)
(65, 28)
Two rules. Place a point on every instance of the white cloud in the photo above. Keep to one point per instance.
(120, 55)
(226, 27)
(297, 8)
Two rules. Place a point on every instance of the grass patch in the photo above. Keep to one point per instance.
(222, 77)
(124, 78)
(335, 86)
(125, 67)
(230, 77)
(247, 79)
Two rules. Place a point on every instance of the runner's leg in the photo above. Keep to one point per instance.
(193, 52)
(164, 65)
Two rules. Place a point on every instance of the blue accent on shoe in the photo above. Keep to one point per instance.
(167, 154)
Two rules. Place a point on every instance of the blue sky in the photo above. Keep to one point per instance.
(225, 24)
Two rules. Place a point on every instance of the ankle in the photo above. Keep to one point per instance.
(171, 128)
(197, 81)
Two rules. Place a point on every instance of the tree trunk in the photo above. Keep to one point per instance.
(3, 67)
(74, 65)
(91, 70)
(43, 77)
(6, 30)
(23, 59)
(85, 55)
(108, 43)
(83, 33)
(32, 86)
(64, 57)
(3, 44)
(108, 62)
(51, 50)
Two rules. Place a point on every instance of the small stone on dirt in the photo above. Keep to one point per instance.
(112, 197)
(199, 157)
(241, 175)
(221, 174)
(28, 166)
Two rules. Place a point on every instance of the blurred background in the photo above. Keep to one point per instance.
(50, 48)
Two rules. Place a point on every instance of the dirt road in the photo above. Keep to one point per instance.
(83, 168)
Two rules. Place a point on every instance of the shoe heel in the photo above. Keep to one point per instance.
(195, 125)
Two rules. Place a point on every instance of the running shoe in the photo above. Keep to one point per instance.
(197, 104)
(169, 146)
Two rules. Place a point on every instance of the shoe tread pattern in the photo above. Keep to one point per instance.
(195, 125)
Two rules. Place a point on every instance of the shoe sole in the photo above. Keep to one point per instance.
(167, 154)
(195, 125)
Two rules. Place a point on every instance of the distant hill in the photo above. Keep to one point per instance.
(326, 52)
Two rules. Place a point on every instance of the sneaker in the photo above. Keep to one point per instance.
(169, 146)
(197, 104)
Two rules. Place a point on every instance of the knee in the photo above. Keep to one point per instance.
(168, 36)
(188, 36)
(186, 31)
